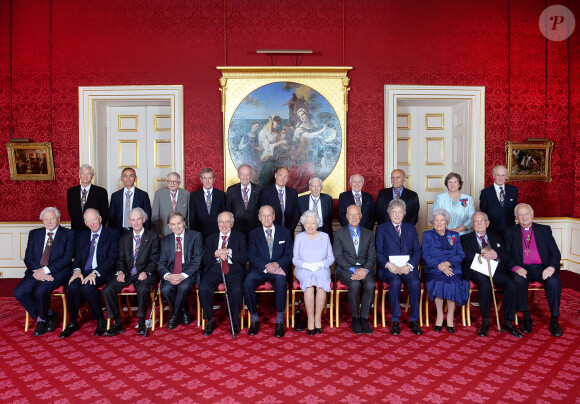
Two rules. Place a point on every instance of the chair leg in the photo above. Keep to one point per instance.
(293, 307)
(463, 314)
(383, 306)
(26, 321)
(160, 310)
(427, 309)
(407, 303)
(153, 317)
(198, 309)
(336, 306)
(128, 305)
(375, 311)
(242, 315)
(331, 307)
(469, 309)
(64, 311)
(120, 306)
(287, 314)
(421, 309)
(108, 323)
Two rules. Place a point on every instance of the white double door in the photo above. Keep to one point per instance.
(140, 138)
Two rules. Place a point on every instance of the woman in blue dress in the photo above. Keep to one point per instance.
(458, 205)
(442, 254)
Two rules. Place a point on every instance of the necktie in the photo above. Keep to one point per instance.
(208, 201)
(128, 195)
(482, 241)
(137, 243)
(354, 234)
(83, 199)
(269, 240)
(398, 227)
(314, 203)
(226, 264)
(246, 200)
(357, 199)
(178, 265)
(501, 196)
(46, 252)
(89, 264)
(173, 199)
(398, 193)
(281, 197)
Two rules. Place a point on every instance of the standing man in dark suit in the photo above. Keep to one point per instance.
(137, 264)
(270, 254)
(48, 259)
(397, 238)
(361, 199)
(126, 199)
(355, 255)
(224, 251)
(398, 191)
(206, 204)
(168, 200)
(84, 196)
(97, 250)
(534, 257)
(322, 203)
(284, 201)
(179, 267)
(499, 201)
(490, 246)
(243, 200)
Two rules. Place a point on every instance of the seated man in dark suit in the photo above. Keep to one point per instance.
(396, 238)
(224, 251)
(97, 250)
(355, 255)
(179, 267)
(85, 196)
(322, 203)
(48, 259)
(534, 257)
(398, 191)
(283, 199)
(206, 204)
(243, 200)
(490, 246)
(499, 201)
(270, 254)
(125, 199)
(361, 199)
(137, 263)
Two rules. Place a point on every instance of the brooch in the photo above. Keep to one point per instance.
(451, 239)
(463, 202)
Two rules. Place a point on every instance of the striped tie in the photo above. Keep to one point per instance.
(137, 243)
(246, 200)
(208, 202)
(46, 252)
(357, 199)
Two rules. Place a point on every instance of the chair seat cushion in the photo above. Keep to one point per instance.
(59, 290)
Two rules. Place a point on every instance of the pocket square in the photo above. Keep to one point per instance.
(281, 242)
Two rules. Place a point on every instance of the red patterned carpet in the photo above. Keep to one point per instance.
(182, 366)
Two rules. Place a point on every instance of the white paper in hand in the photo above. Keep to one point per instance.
(482, 267)
(399, 260)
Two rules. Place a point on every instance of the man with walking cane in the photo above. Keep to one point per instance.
(224, 261)
(490, 247)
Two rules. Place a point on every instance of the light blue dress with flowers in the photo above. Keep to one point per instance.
(460, 210)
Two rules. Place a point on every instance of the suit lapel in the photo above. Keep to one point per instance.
(518, 244)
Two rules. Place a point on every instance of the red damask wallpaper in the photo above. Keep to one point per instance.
(49, 48)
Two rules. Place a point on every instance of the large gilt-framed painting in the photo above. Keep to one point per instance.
(530, 161)
(30, 161)
(293, 117)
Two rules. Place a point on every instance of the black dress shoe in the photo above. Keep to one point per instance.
(69, 330)
(173, 321)
(311, 332)
(142, 329)
(40, 328)
(236, 329)
(318, 330)
(364, 323)
(186, 317)
(415, 328)
(101, 328)
(210, 326)
(114, 330)
(395, 328)
(555, 329)
(509, 327)
(279, 331)
(51, 322)
(482, 331)
(356, 327)
(527, 326)
(450, 330)
(254, 328)
(437, 328)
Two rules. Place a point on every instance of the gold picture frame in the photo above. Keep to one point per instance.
(30, 161)
(530, 161)
(264, 102)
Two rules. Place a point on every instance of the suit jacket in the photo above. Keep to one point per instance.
(411, 201)
(346, 199)
(470, 247)
(244, 220)
(147, 257)
(389, 243)
(107, 252)
(199, 219)
(547, 247)
(291, 214)
(140, 200)
(326, 205)
(162, 207)
(61, 252)
(98, 199)
(499, 217)
(236, 243)
(282, 250)
(345, 254)
(192, 248)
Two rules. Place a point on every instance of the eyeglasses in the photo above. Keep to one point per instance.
(173, 182)
(480, 221)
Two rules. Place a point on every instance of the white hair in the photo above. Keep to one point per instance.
(522, 204)
(350, 179)
(50, 209)
(439, 212)
(315, 179)
(86, 167)
(174, 173)
(141, 212)
(307, 214)
(494, 171)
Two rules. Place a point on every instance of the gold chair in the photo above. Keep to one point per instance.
(444, 309)
(296, 289)
(267, 287)
(58, 292)
(341, 287)
(221, 289)
(130, 291)
(385, 289)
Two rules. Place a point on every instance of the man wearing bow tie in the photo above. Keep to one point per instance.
(498, 201)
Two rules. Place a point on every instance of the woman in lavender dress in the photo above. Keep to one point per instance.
(312, 260)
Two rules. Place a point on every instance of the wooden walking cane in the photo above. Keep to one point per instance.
(492, 293)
